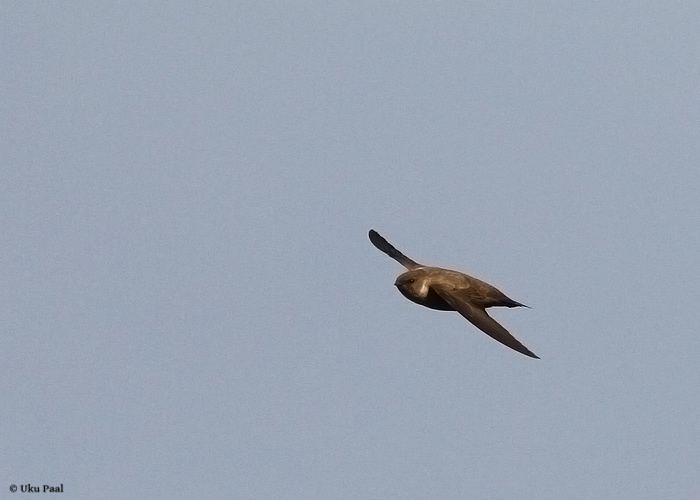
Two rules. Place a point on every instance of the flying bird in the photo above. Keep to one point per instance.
(447, 290)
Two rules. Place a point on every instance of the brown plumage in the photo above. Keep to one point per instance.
(447, 290)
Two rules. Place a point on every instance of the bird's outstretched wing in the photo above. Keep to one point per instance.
(386, 247)
(480, 319)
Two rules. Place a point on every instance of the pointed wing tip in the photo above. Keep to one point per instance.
(374, 235)
(527, 352)
(524, 350)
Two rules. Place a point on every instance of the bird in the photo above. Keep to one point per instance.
(447, 290)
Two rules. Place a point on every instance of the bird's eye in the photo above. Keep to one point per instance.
(411, 280)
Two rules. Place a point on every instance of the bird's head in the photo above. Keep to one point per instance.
(413, 284)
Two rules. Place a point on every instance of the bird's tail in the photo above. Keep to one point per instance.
(511, 303)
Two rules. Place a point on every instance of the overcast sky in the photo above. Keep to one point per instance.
(190, 306)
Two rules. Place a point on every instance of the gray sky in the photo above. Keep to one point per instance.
(191, 307)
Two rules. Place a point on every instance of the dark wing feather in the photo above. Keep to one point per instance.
(479, 318)
(386, 247)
